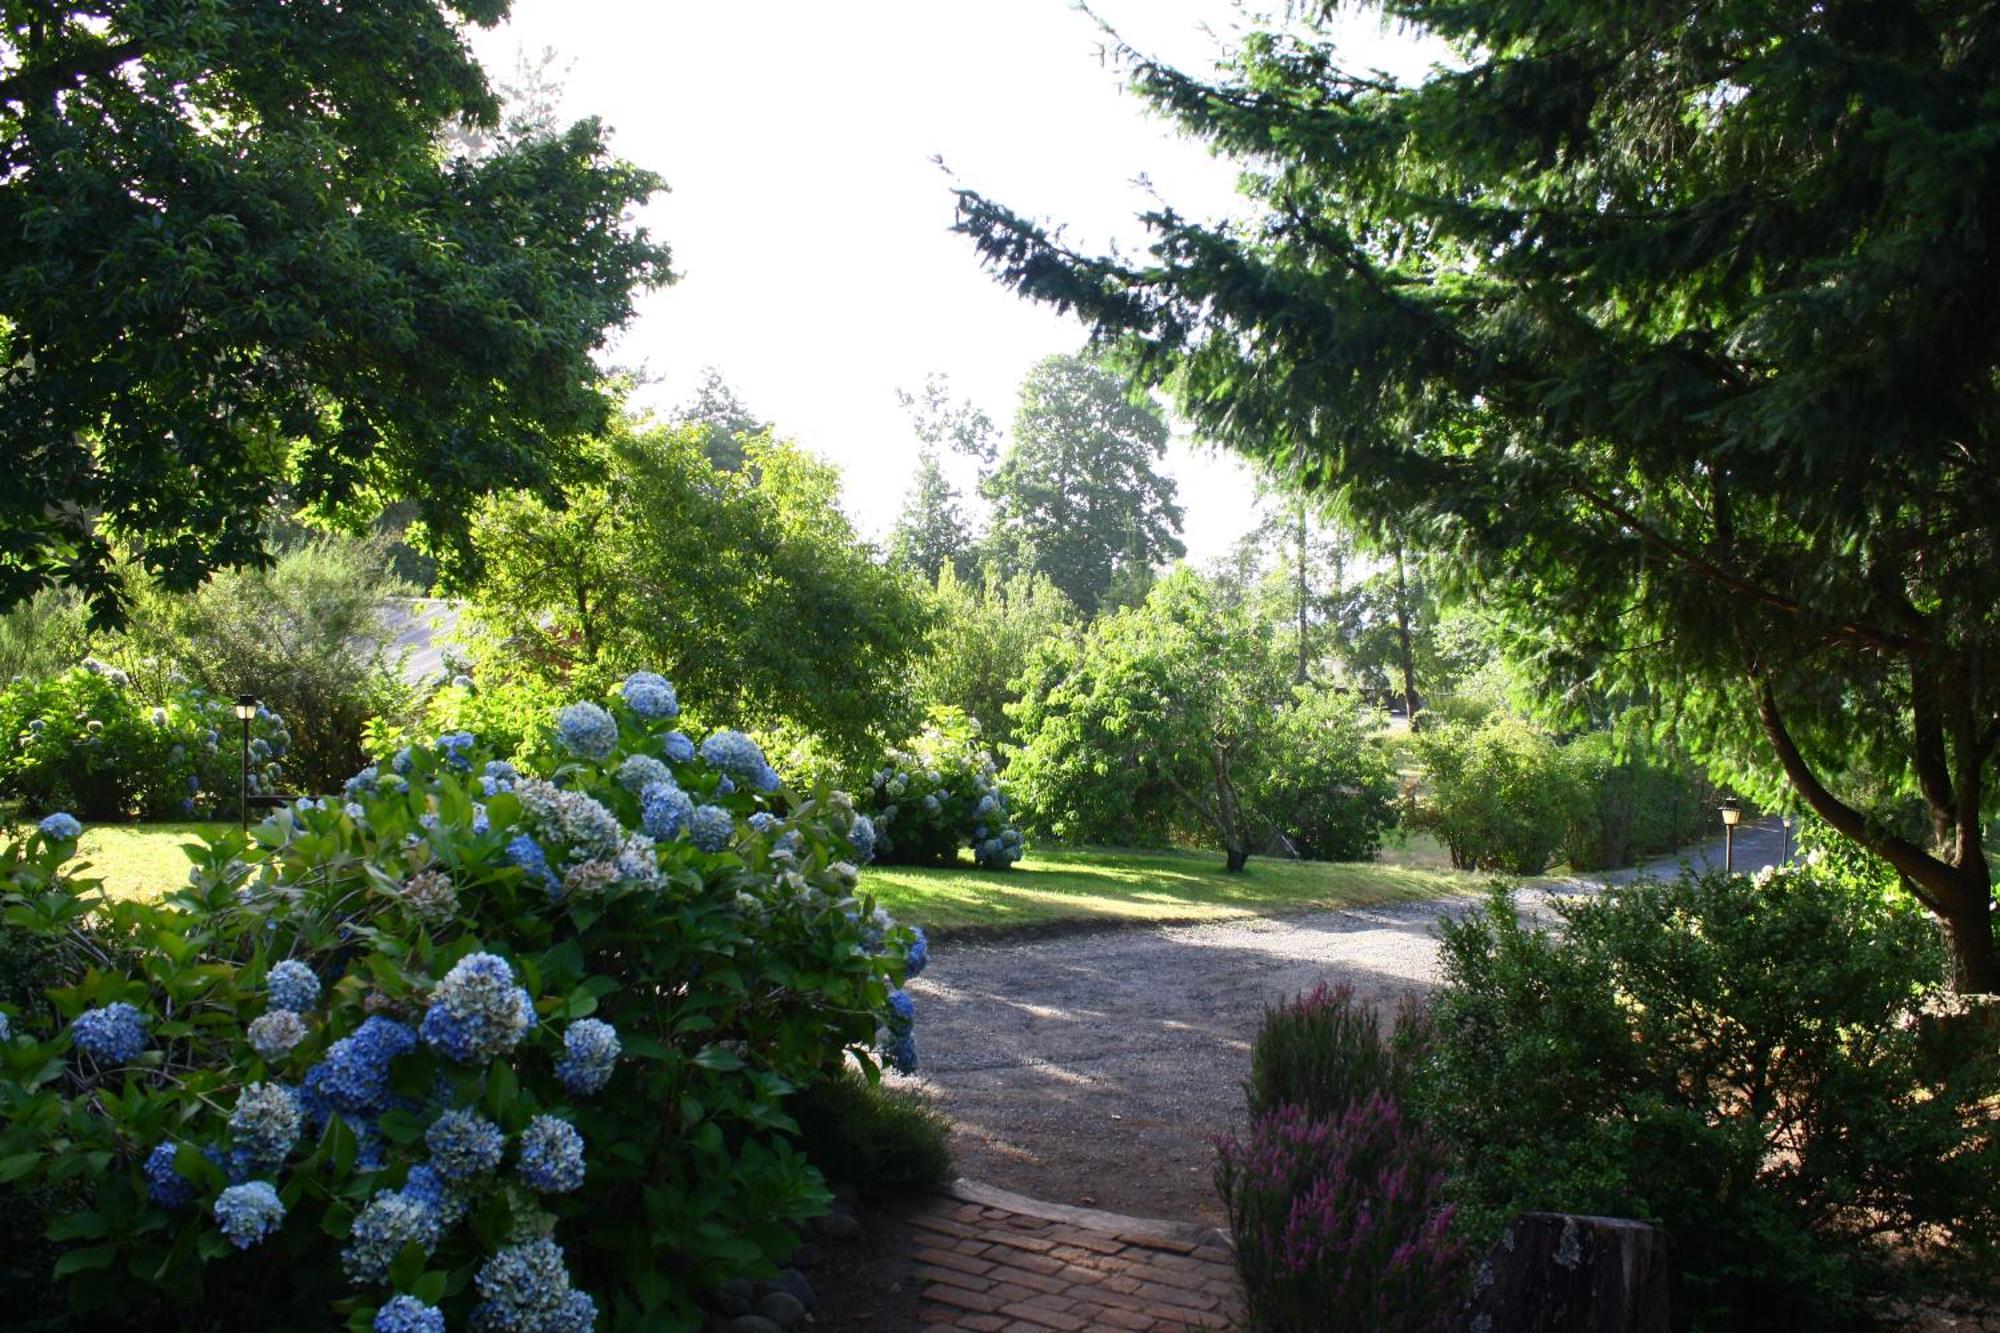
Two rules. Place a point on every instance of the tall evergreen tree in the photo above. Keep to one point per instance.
(1674, 328)
(930, 533)
(1077, 497)
(725, 423)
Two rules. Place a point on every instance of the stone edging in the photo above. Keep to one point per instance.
(1135, 1230)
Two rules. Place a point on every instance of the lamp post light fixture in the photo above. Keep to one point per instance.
(1732, 815)
(246, 708)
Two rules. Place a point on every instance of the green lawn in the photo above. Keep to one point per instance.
(140, 859)
(1090, 884)
(1103, 885)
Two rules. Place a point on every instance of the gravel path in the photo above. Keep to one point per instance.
(1094, 1068)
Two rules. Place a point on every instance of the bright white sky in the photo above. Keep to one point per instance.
(811, 228)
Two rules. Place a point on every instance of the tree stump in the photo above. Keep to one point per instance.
(1560, 1273)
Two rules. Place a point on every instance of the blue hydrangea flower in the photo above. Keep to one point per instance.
(919, 955)
(265, 1126)
(464, 1145)
(164, 1185)
(260, 749)
(902, 1010)
(663, 809)
(388, 1222)
(571, 820)
(526, 853)
(456, 747)
(292, 985)
(902, 1053)
(711, 827)
(111, 1035)
(403, 761)
(478, 1011)
(427, 1185)
(590, 1051)
(650, 695)
(193, 783)
(6, 1027)
(640, 771)
(353, 1078)
(736, 755)
(551, 1159)
(637, 861)
(61, 827)
(862, 834)
(407, 1314)
(678, 747)
(763, 821)
(249, 1212)
(586, 731)
(526, 1287)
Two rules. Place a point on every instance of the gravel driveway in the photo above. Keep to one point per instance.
(1094, 1068)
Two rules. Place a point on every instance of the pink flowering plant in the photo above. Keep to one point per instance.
(470, 1044)
(1341, 1222)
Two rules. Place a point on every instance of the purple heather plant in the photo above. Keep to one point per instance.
(1340, 1222)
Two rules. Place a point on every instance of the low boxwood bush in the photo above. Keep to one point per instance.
(471, 1041)
(883, 1140)
(939, 793)
(1631, 805)
(1734, 1059)
(88, 742)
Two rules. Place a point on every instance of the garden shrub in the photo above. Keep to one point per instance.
(509, 1044)
(884, 1140)
(1498, 796)
(1630, 806)
(940, 793)
(1324, 1051)
(1341, 1222)
(307, 636)
(1732, 1059)
(88, 742)
(1328, 784)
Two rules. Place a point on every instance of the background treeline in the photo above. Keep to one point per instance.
(1260, 704)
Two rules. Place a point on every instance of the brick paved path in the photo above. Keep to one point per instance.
(997, 1262)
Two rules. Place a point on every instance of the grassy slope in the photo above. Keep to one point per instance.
(1089, 884)
(140, 859)
(1102, 884)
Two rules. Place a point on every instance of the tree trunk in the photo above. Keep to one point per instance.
(1955, 883)
(1558, 1273)
(1302, 591)
(1403, 639)
(1238, 857)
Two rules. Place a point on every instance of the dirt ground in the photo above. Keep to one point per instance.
(1097, 1068)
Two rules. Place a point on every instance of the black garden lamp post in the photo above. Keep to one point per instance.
(246, 708)
(1732, 815)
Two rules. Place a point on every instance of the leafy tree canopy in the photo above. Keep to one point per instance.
(1158, 717)
(1674, 330)
(236, 261)
(1076, 497)
(674, 564)
(981, 638)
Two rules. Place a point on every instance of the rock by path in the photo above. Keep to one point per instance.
(1095, 1069)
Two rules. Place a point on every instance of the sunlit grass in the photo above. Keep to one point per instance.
(139, 860)
(1109, 885)
(1051, 886)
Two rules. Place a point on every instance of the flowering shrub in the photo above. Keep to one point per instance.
(464, 1043)
(941, 793)
(1340, 1222)
(86, 742)
(1324, 1051)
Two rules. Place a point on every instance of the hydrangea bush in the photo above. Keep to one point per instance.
(469, 1045)
(89, 743)
(940, 793)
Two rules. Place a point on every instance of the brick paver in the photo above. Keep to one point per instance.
(994, 1262)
